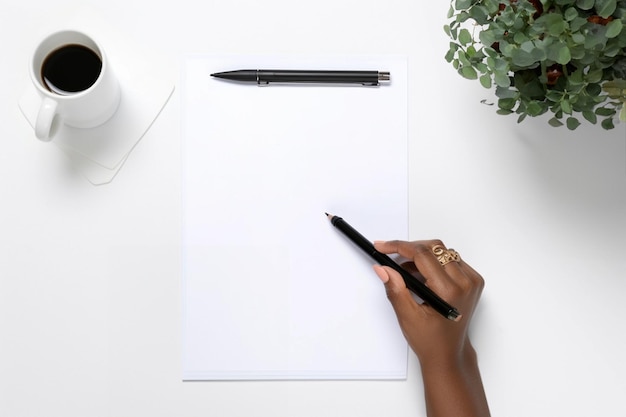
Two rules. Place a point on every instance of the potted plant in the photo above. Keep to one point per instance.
(566, 57)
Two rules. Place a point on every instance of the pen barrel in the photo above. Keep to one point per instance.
(412, 283)
(418, 287)
(356, 237)
(330, 77)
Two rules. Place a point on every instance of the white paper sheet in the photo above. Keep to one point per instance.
(271, 289)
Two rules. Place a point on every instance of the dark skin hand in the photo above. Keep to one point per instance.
(452, 382)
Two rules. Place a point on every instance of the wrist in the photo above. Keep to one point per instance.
(457, 358)
(453, 386)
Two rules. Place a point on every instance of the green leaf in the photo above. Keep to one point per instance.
(462, 4)
(596, 37)
(450, 55)
(465, 37)
(504, 92)
(574, 90)
(594, 76)
(490, 52)
(572, 123)
(528, 84)
(502, 79)
(566, 106)
(506, 103)
(463, 58)
(560, 53)
(578, 52)
(485, 80)
(534, 108)
(506, 49)
(462, 17)
(522, 58)
(607, 124)
(576, 78)
(527, 46)
(492, 6)
(605, 8)
(450, 12)
(480, 14)
(590, 116)
(605, 111)
(570, 14)
(558, 113)
(468, 72)
(507, 17)
(554, 96)
(593, 89)
(612, 49)
(501, 65)
(487, 37)
(552, 23)
(554, 122)
(577, 23)
(578, 38)
(483, 68)
(454, 30)
(585, 4)
(520, 37)
(558, 27)
(614, 28)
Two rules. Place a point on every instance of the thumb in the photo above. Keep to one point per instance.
(397, 292)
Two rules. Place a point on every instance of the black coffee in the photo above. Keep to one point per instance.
(71, 69)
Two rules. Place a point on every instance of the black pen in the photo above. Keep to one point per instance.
(299, 76)
(412, 283)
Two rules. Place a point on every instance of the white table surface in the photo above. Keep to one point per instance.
(90, 303)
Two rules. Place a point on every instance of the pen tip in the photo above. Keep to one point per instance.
(455, 316)
(326, 214)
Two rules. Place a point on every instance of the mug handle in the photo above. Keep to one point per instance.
(44, 119)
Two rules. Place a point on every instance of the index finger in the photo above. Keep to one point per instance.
(401, 247)
(421, 253)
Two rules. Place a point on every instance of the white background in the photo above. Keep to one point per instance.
(90, 277)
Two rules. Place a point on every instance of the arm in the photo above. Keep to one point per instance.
(452, 382)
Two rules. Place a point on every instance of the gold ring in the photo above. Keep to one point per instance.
(445, 256)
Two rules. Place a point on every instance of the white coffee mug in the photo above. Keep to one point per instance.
(75, 82)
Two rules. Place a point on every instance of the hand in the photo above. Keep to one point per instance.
(429, 334)
(452, 382)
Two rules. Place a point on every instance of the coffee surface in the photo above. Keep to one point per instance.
(71, 69)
